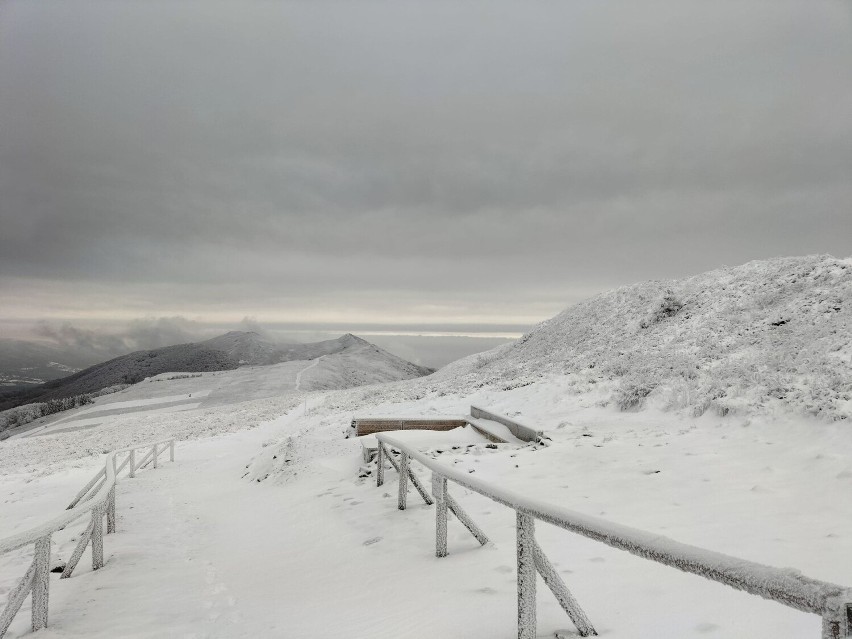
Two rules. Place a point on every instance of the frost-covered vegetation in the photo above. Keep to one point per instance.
(171, 377)
(23, 415)
(768, 334)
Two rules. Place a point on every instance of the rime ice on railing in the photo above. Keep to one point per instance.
(96, 498)
(832, 602)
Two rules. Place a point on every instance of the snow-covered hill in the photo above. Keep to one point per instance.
(189, 405)
(246, 348)
(768, 337)
(356, 362)
(251, 348)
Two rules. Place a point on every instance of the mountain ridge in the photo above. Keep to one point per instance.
(225, 352)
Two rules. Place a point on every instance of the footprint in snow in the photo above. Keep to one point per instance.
(487, 591)
(706, 627)
(372, 540)
(597, 560)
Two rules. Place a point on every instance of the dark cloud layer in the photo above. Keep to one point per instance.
(139, 334)
(400, 161)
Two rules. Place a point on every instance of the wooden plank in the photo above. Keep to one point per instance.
(411, 475)
(16, 598)
(465, 519)
(519, 430)
(41, 583)
(494, 431)
(369, 426)
(560, 591)
(94, 480)
(78, 553)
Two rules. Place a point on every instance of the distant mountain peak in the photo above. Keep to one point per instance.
(227, 351)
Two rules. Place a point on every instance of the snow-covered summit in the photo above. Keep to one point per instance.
(246, 347)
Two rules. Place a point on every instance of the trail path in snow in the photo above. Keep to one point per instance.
(202, 552)
(305, 369)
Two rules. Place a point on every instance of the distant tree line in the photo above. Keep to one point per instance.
(30, 412)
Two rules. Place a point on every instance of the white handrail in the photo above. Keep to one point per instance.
(831, 601)
(99, 504)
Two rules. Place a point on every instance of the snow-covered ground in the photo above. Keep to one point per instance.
(205, 549)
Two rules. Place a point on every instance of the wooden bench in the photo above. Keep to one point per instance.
(494, 427)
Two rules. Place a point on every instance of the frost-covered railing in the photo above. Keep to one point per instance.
(98, 498)
(831, 602)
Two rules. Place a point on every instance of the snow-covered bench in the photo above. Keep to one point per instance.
(494, 427)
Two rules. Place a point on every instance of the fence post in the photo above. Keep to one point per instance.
(172, 450)
(526, 576)
(41, 583)
(464, 518)
(132, 463)
(97, 538)
(111, 511)
(403, 481)
(560, 591)
(380, 465)
(155, 455)
(838, 624)
(439, 490)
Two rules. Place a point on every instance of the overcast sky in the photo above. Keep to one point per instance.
(395, 163)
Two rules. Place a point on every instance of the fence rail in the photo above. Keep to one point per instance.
(97, 498)
(831, 602)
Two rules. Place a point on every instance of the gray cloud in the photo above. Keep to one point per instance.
(138, 334)
(468, 160)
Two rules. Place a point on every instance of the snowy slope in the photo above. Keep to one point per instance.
(246, 348)
(250, 348)
(198, 405)
(353, 348)
(770, 335)
(226, 352)
(316, 551)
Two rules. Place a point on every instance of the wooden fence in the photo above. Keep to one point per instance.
(96, 498)
(831, 602)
